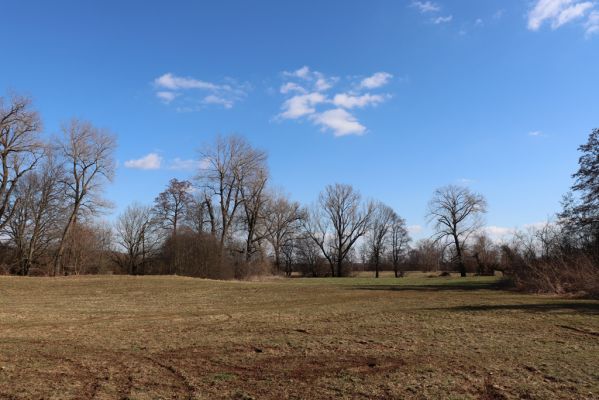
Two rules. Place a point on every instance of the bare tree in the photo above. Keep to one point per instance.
(198, 213)
(399, 238)
(456, 213)
(20, 149)
(377, 238)
(283, 222)
(337, 222)
(485, 253)
(88, 156)
(171, 205)
(227, 166)
(134, 234)
(254, 201)
(89, 249)
(38, 213)
(426, 255)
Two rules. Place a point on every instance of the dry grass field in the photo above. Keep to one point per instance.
(120, 337)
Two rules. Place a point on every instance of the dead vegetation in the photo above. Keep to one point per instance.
(172, 337)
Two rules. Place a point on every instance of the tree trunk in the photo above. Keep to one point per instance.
(458, 250)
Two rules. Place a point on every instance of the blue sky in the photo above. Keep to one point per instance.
(394, 97)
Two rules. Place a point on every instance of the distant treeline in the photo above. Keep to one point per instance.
(229, 223)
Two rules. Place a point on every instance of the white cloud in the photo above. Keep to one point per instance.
(166, 97)
(170, 87)
(426, 6)
(558, 12)
(322, 84)
(172, 82)
(301, 105)
(340, 122)
(346, 100)
(592, 24)
(150, 161)
(214, 99)
(308, 96)
(188, 164)
(499, 233)
(291, 87)
(303, 73)
(535, 133)
(442, 20)
(377, 80)
(479, 22)
(465, 181)
(571, 13)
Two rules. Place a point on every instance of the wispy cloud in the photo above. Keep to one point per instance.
(432, 9)
(216, 99)
(561, 12)
(181, 164)
(166, 97)
(466, 181)
(426, 6)
(154, 161)
(191, 94)
(535, 133)
(150, 161)
(308, 97)
(303, 73)
(377, 80)
(172, 82)
(347, 100)
(592, 24)
(289, 87)
(442, 20)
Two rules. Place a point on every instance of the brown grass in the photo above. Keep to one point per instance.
(173, 337)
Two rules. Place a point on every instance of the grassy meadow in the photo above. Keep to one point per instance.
(157, 337)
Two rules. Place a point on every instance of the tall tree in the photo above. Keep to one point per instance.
(38, 214)
(399, 238)
(580, 215)
(227, 165)
(171, 205)
(377, 238)
(254, 201)
(338, 220)
(20, 149)
(87, 152)
(456, 213)
(133, 232)
(283, 223)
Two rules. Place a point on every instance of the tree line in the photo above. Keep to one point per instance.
(229, 222)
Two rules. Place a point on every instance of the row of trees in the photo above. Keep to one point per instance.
(50, 198)
(230, 205)
(50, 189)
(50, 201)
(229, 222)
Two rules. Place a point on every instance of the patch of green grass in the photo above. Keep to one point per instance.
(224, 376)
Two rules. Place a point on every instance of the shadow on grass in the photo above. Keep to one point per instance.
(562, 307)
(440, 287)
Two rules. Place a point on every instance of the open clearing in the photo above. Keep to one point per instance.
(173, 337)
